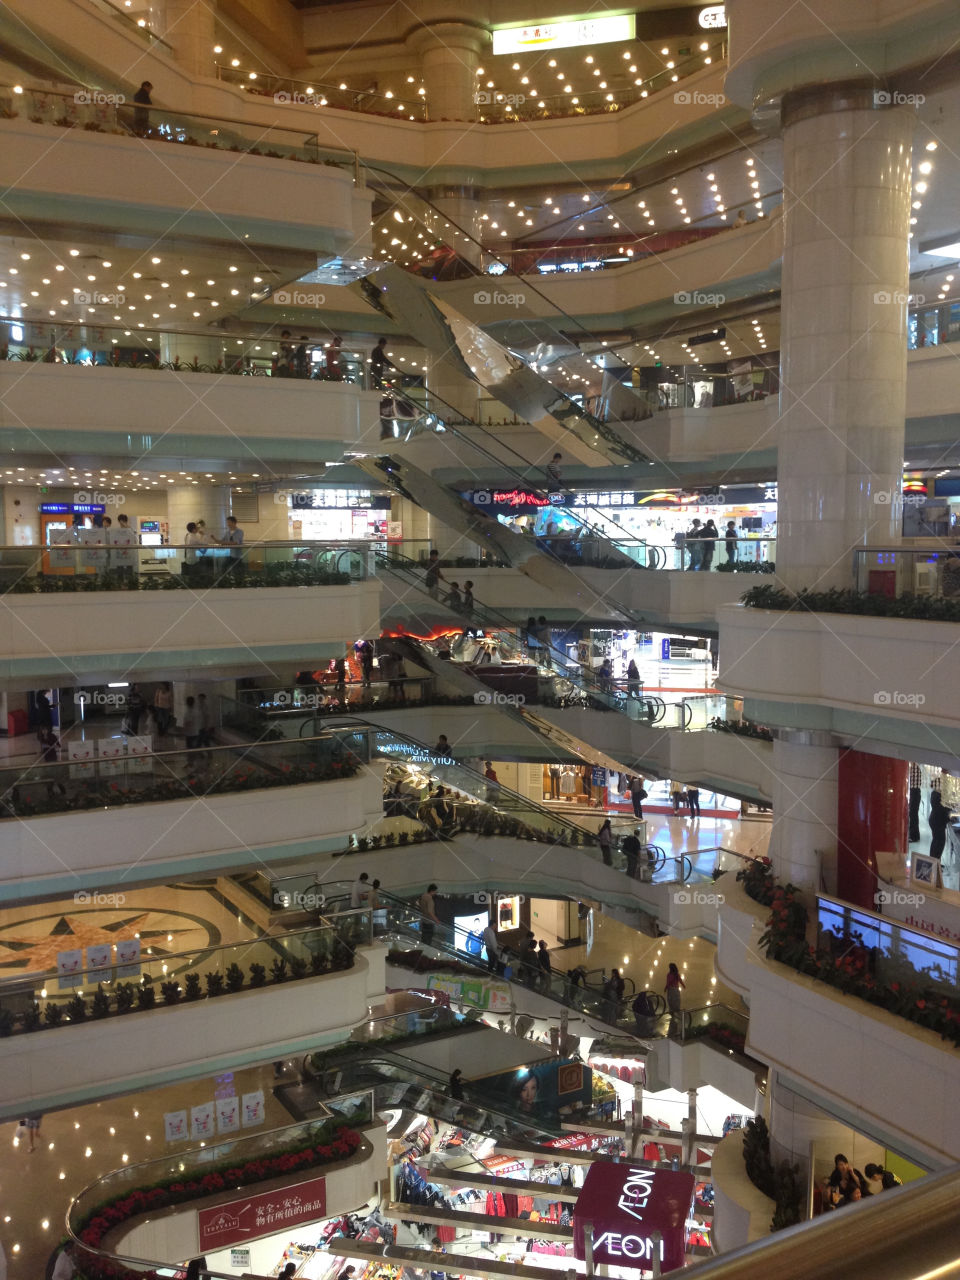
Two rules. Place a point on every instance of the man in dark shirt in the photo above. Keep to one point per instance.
(632, 847)
(379, 360)
(141, 118)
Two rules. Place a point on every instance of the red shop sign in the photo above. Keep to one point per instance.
(624, 1205)
(253, 1216)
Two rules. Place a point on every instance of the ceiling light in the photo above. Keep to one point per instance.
(931, 146)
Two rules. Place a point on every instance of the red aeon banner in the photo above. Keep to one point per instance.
(261, 1215)
(624, 1205)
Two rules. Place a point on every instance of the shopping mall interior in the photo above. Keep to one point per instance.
(537, 434)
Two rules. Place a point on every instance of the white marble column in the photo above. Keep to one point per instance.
(847, 190)
(190, 27)
(803, 842)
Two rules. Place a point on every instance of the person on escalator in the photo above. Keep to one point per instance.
(644, 1013)
(454, 600)
(632, 848)
(433, 577)
(553, 471)
(379, 360)
(468, 598)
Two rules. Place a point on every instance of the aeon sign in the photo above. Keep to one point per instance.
(622, 1206)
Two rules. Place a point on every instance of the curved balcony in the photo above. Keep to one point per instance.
(150, 816)
(67, 607)
(881, 680)
(103, 410)
(794, 1016)
(138, 1020)
(328, 1166)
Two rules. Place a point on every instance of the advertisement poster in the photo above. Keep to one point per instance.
(175, 1126)
(253, 1112)
(70, 968)
(99, 962)
(477, 992)
(251, 1216)
(201, 1121)
(139, 751)
(128, 958)
(228, 1114)
(110, 755)
(540, 1090)
(625, 1206)
(82, 757)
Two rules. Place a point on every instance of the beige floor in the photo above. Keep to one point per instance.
(81, 1144)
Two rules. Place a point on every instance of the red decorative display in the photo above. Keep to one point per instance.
(625, 1205)
(261, 1215)
(871, 814)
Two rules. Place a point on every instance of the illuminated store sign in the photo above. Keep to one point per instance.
(624, 1206)
(713, 17)
(565, 35)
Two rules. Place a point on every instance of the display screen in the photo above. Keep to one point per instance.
(467, 935)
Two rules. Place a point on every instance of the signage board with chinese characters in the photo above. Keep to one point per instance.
(249, 1217)
(624, 1205)
(565, 35)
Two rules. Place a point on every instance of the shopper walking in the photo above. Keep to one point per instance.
(633, 679)
(162, 707)
(430, 920)
(433, 577)
(379, 360)
(546, 966)
(605, 841)
(492, 944)
(710, 535)
(637, 796)
(672, 990)
(693, 800)
(693, 541)
(938, 818)
(632, 849)
(730, 541)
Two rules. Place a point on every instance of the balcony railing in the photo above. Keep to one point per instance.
(97, 111)
(110, 773)
(132, 978)
(112, 560)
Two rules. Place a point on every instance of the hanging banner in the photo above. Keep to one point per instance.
(202, 1121)
(228, 1115)
(175, 1126)
(625, 1205)
(253, 1109)
(494, 996)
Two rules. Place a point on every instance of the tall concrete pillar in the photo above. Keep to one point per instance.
(845, 281)
(189, 26)
(803, 842)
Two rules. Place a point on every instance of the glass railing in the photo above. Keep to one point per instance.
(314, 93)
(225, 1157)
(129, 976)
(897, 571)
(248, 354)
(255, 711)
(97, 111)
(112, 560)
(880, 949)
(112, 772)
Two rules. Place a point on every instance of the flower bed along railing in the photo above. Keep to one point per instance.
(847, 964)
(843, 600)
(326, 1145)
(742, 729)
